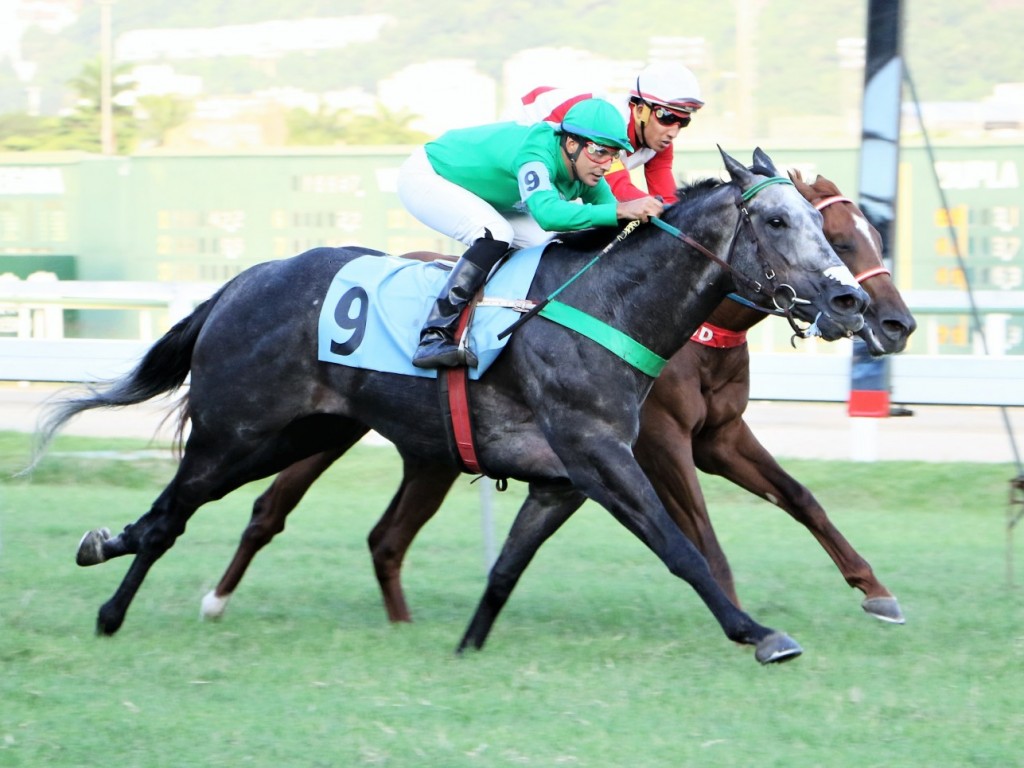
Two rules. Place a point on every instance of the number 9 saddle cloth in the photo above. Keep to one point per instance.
(375, 308)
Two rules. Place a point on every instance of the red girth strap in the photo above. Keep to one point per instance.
(712, 336)
(458, 405)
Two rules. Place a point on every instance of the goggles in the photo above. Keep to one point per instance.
(667, 117)
(599, 154)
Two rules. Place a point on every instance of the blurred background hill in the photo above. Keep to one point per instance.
(254, 73)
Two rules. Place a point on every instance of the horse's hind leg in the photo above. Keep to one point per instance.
(93, 548)
(423, 488)
(545, 509)
(268, 518)
(210, 468)
(149, 538)
(98, 545)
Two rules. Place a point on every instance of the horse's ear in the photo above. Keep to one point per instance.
(761, 160)
(737, 171)
(798, 181)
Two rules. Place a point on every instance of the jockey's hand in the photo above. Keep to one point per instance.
(641, 209)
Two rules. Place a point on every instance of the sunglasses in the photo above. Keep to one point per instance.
(667, 118)
(599, 154)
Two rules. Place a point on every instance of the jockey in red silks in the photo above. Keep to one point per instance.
(660, 104)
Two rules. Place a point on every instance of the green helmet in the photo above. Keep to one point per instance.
(597, 120)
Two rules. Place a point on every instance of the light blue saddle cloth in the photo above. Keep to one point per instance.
(375, 308)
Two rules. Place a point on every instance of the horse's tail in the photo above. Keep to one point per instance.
(162, 370)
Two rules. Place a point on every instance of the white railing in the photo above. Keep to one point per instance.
(34, 308)
(914, 379)
(33, 350)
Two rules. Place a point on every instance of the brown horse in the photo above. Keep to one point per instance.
(692, 419)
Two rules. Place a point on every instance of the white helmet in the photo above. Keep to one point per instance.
(668, 85)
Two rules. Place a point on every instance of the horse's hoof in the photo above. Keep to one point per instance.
(468, 644)
(107, 623)
(884, 609)
(777, 648)
(90, 548)
(213, 607)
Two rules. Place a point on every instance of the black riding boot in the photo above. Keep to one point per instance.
(438, 348)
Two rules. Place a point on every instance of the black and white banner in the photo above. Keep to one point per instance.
(879, 172)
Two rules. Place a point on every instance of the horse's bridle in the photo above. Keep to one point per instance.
(785, 309)
(867, 274)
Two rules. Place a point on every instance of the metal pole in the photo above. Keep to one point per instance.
(106, 80)
(487, 523)
(746, 68)
(1014, 513)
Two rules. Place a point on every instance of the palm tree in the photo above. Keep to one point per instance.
(161, 115)
(326, 127)
(86, 117)
(385, 127)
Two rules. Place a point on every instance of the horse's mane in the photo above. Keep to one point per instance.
(695, 190)
(588, 239)
(686, 194)
(596, 237)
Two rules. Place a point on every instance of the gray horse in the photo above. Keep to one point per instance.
(556, 410)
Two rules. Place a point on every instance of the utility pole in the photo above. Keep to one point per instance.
(747, 12)
(106, 80)
(746, 68)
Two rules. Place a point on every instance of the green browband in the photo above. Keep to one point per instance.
(762, 184)
(615, 341)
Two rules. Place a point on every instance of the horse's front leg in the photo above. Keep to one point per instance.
(547, 506)
(607, 472)
(667, 460)
(736, 454)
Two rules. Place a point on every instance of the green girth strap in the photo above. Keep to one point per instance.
(615, 341)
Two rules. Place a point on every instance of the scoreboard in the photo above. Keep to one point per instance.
(976, 241)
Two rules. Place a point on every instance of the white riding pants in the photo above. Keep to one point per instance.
(457, 212)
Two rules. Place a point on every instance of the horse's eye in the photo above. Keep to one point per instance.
(841, 246)
(776, 222)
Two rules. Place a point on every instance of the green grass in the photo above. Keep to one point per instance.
(601, 658)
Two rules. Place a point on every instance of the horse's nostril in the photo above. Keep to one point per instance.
(896, 329)
(848, 303)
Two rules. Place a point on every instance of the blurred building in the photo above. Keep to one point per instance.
(269, 39)
(563, 68)
(447, 93)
